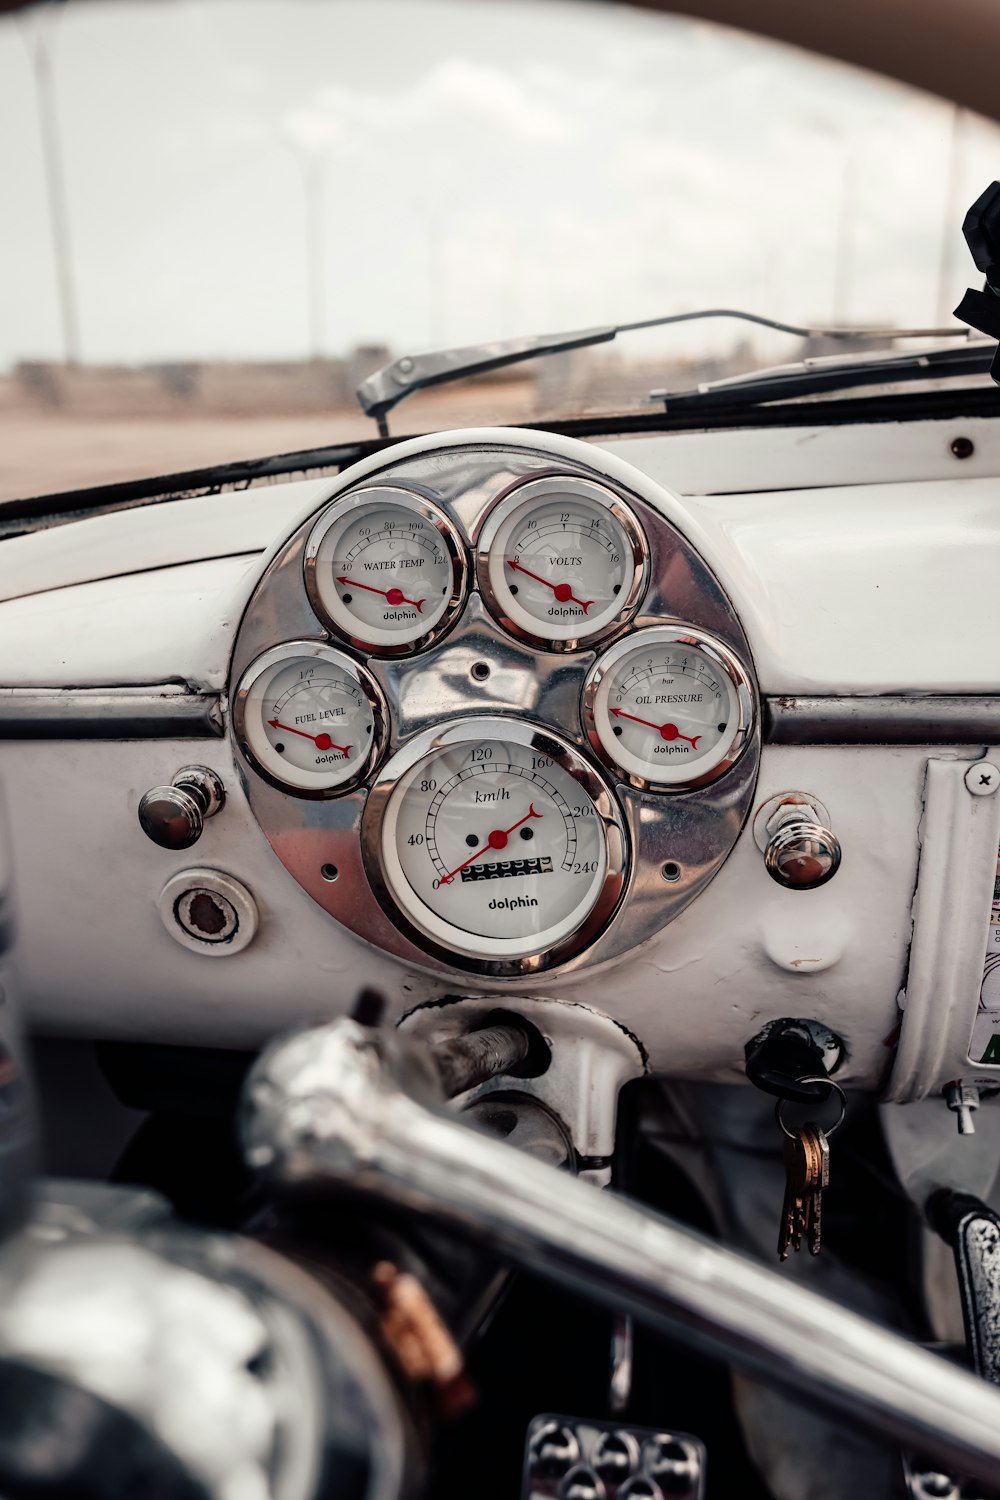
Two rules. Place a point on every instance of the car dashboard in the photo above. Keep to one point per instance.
(504, 718)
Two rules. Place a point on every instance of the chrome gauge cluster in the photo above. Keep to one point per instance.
(493, 711)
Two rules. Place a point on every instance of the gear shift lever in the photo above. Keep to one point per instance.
(340, 1107)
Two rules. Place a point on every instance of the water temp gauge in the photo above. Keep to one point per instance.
(562, 562)
(385, 570)
(310, 719)
(671, 707)
(496, 843)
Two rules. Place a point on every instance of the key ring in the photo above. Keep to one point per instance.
(828, 1130)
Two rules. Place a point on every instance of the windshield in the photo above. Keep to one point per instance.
(221, 217)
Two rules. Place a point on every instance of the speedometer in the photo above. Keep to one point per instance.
(386, 571)
(496, 842)
(671, 707)
(562, 562)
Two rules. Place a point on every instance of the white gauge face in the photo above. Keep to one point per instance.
(494, 848)
(309, 719)
(383, 572)
(667, 707)
(565, 563)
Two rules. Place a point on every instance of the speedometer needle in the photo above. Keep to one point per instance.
(393, 596)
(321, 741)
(665, 731)
(496, 840)
(563, 591)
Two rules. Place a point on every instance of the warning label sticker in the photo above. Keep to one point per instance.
(985, 1044)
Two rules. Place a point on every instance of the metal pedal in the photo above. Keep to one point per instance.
(573, 1458)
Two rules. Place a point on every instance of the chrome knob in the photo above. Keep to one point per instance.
(802, 855)
(174, 816)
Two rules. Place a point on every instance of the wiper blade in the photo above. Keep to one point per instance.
(811, 377)
(414, 372)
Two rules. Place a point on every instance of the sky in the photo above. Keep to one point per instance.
(478, 170)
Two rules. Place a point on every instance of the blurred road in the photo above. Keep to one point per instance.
(47, 452)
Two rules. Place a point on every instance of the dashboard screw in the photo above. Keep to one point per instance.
(963, 447)
(982, 778)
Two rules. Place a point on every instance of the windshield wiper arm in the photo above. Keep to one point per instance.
(811, 377)
(414, 372)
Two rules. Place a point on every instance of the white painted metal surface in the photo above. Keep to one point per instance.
(842, 589)
(863, 587)
(959, 835)
(95, 959)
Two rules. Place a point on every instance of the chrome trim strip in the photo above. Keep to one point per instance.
(151, 713)
(144, 713)
(945, 719)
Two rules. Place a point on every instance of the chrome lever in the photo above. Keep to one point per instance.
(341, 1106)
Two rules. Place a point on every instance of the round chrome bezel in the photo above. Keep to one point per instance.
(342, 624)
(460, 953)
(494, 590)
(597, 687)
(278, 656)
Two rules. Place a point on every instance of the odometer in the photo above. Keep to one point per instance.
(500, 848)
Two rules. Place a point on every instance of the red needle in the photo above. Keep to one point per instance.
(666, 731)
(321, 741)
(562, 591)
(497, 840)
(393, 596)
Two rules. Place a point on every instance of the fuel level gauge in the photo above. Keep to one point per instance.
(671, 708)
(309, 719)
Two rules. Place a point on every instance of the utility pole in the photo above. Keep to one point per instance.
(313, 180)
(950, 227)
(38, 42)
(844, 243)
(311, 159)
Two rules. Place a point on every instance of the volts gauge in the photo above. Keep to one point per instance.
(310, 719)
(386, 571)
(495, 844)
(562, 562)
(671, 708)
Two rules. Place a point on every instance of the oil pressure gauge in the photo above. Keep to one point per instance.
(495, 845)
(562, 562)
(386, 571)
(671, 708)
(309, 719)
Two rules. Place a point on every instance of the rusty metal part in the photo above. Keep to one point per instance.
(466, 1061)
(414, 1330)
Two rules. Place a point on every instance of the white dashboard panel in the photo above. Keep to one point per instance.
(173, 624)
(841, 590)
(853, 589)
(95, 958)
